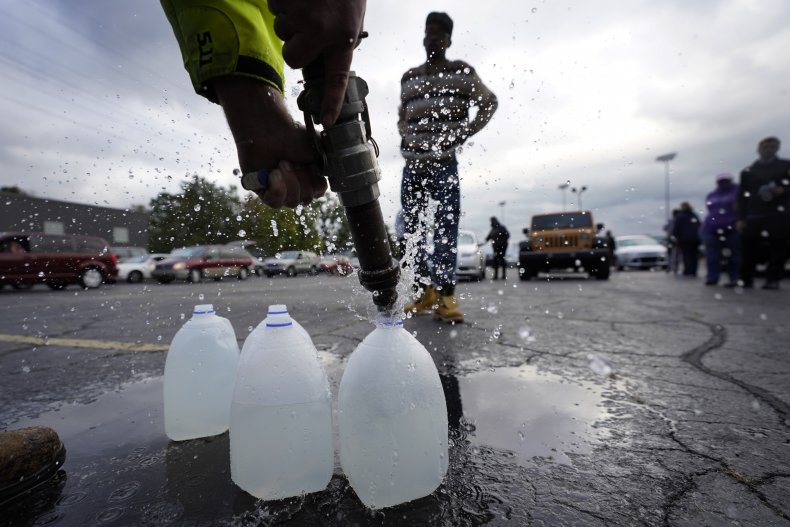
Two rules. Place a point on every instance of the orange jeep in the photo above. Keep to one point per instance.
(564, 240)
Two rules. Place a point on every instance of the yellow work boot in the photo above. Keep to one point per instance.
(424, 303)
(448, 309)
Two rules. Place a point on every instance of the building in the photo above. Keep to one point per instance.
(120, 227)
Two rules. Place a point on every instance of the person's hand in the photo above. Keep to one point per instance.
(321, 29)
(268, 138)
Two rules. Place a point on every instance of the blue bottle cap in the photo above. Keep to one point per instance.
(204, 309)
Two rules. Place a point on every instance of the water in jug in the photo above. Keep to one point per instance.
(200, 369)
(281, 417)
(392, 419)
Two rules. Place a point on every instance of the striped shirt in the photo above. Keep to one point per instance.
(434, 111)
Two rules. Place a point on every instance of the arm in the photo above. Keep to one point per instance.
(740, 202)
(401, 120)
(234, 59)
(486, 103)
(402, 123)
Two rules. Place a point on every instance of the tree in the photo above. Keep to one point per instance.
(202, 213)
(333, 224)
(278, 230)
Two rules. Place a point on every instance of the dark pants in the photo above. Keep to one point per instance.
(777, 256)
(714, 244)
(690, 253)
(439, 183)
(499, 261)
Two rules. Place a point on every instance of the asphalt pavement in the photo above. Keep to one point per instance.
(642, 400)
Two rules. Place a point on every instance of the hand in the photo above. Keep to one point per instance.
(267, 137)
(291, 185)
(321, 29)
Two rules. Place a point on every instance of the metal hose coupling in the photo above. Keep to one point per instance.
(347, 155)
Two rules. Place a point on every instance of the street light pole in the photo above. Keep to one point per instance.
(563, 188)
(579, 191)
(502, 204)
(666, 158)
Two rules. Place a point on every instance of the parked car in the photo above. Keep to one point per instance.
(352, 256)
(204, 261)
(138, 268)
(292, 263)
(124, 253)
(336, 264)
(564, 240)
(56, 260)
(639, 251)
(258, 253)
(470, 262)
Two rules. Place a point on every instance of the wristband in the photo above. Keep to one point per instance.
(257, 181)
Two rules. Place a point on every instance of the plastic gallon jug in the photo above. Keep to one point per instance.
(279, 309)
(281, 417)
(392, 419)
(200, 369)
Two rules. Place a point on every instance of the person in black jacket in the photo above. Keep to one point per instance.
(686, 233)
(763, 212)
(498, 236)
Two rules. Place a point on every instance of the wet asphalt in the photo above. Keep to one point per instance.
(642, 400)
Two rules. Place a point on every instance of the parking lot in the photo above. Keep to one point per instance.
(644, 399)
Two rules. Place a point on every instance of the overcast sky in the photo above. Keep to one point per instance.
(97, 108)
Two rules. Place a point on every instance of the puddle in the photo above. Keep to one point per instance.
(530, 414)
(121, 469)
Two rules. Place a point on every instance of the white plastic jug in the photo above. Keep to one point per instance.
(278, 309)
(200, 369)
(281, 417)
(392, 419)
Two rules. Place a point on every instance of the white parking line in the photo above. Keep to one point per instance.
(82, 343)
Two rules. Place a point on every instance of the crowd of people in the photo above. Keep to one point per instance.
(746, 222)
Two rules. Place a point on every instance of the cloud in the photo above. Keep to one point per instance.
(99, 109)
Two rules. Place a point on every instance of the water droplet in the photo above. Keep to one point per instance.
(26, 369)
(197, 207)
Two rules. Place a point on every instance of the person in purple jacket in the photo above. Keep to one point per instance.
(719, 233)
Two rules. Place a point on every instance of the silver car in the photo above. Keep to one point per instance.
(639, 251)
(291, 263)
(138, 268)
(471, 262)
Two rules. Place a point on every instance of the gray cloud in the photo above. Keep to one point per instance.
(98, 108)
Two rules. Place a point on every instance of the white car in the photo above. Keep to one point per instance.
(292, 263)
(470, 262)
(137, 268)
(639, 251)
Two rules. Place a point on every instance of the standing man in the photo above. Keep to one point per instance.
(611, 245)
(686, 232)
(433, 122)
(498, 236)
(763, 211)
(718, 231)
